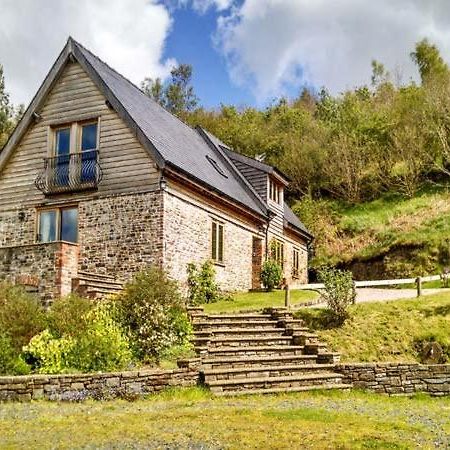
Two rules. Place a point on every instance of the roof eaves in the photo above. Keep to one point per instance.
(35, 104)
(78, 50)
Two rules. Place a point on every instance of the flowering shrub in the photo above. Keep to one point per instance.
(152, 308)
(11, 363)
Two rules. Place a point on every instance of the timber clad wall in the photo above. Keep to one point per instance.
(127, 167)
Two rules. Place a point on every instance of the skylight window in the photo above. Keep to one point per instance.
(216, 166)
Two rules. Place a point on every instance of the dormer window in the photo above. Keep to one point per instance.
(275, 192)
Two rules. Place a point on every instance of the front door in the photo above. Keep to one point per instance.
(256, 262)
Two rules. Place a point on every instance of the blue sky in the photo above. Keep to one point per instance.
(191, 41)
(244, 52)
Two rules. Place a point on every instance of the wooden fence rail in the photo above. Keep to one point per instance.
(362, 284)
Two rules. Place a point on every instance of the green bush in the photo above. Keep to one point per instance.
(21, 315)
(339, 291)
(69, 316)
(11, 363)
(100, 345)
(152, 308)
(202, 286)
(271, 274)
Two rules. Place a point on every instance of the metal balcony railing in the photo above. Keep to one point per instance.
(70, 173)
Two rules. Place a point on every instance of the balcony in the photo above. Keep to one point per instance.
(70, 173)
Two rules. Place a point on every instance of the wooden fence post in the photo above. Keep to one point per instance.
(419, 286)
(287, 295)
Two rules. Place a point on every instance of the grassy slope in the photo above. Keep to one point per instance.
(249, 301)
(387, 331)
(192, 419)
(413, 233)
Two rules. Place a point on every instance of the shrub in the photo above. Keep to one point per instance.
(339, 291)
(202, 286)
(11, 362)
(68, 316)
(271, 274)
(100, 345)
(104, 346)
(21, 314)
(152, 308)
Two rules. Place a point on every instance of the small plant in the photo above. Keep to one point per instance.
(152, 309)
(271, 274)
(339, 291)
(202, 286)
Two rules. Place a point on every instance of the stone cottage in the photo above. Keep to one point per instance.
(98, 181)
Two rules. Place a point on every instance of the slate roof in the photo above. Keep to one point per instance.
(176, 143)
(294, 221)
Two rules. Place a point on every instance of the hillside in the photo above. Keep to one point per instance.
(392, 331)
(389, 237)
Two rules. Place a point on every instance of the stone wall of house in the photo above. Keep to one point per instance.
(45, 267)
(187, 237)
(121, 235)
(96, 385)
(17, 227)
(398, 378)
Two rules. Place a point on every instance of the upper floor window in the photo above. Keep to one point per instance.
(295, 263)
(275, 191)
(59, 224)
(217, 241)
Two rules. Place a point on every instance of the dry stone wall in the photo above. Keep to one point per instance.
(398, 378)
(99, 386)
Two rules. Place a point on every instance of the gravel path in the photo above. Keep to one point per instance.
(382, 295)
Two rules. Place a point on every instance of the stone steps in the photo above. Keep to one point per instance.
(261, 353)
(95, 286)
(257, 361)
(264, 382)
(282, 390)
(268, 371)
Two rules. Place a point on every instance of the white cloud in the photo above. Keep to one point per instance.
(129, 35)
(270, 44)
(200, 6)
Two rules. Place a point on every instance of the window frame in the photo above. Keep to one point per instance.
(277, 252)
(217, 242)
(58, 223)
(295, 263)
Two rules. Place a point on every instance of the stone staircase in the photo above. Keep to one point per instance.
(256, 353)
(95, 286)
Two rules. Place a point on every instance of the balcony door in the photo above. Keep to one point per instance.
(62, 153)
(88, 152)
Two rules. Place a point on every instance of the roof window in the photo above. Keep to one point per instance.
(216, 166)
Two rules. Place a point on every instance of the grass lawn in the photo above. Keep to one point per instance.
(192, 419)
(387, 331)
(250, 301)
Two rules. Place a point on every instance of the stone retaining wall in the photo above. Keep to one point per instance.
(398, 378)
(76, 387)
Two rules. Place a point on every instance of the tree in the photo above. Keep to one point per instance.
(176, 95)
(6, 111)
(429, 61)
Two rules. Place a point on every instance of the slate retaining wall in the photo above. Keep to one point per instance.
(398, 378)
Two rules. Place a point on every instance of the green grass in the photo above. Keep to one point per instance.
(413, 232)
(193, 419)
(252, 301)
(387, 331)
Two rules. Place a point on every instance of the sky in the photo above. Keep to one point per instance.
(243, 52)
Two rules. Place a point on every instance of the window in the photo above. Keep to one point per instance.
(58, 225)
(62, 150)
(295, 263)
(88, 152)
(275, 191)
(217, 241)
(277, 252)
